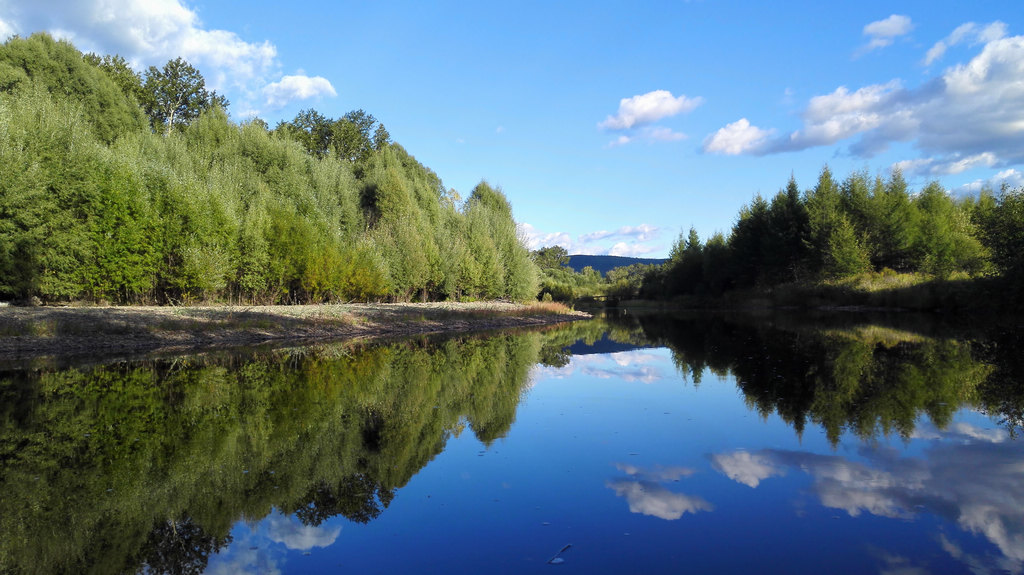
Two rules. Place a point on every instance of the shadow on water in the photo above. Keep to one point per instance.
(146, 465)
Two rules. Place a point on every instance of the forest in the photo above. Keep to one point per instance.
(129, 188)
(867, 233)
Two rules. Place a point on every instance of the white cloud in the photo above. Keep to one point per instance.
(882, 32)
(969, 32)
(536, 239)
(739, 137)
(1009, 177)
(648, 108)
(662, 134)
(627, 250)
(636, 244)
(299, 87)
(972, 116)
(622, 140)
(6, 30)
(649, 134)
(151, 33)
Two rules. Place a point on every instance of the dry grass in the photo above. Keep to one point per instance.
(82, 330)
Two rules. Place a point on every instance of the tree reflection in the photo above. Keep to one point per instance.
(866, 379)
(358, 498)
(179, 548)
(110, 452)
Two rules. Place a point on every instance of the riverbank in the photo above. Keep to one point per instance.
(32, 332)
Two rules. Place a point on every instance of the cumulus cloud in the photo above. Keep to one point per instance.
(649, 108)
(293, 88)
(985, 93)
(151, 33)
(882, 32)
(739, 137)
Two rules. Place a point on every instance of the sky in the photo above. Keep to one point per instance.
(612, 127)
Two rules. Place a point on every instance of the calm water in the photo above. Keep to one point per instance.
(656, 444)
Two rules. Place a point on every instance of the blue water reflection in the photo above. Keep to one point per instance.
(639, 470)
(635, 445)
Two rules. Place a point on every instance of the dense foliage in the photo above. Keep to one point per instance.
(841, 229)
(123, 188)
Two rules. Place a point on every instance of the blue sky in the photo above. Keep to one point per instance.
(612, 127)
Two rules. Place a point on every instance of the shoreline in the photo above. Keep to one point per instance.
(28, 333)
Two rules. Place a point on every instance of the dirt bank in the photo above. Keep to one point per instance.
(29, 332)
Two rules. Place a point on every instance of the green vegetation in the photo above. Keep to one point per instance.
(138, 189)
(862, 241)
(145, 466)
(559, 282)
(837, 241)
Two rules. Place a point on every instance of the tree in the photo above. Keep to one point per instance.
(64, 72)
(551, 257)
(352, 135)
(311, 129)
(784, 245)
(176, 94)
(117, 68)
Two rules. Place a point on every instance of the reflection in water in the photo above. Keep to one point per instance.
(646, 496)
(971, 477)
(865, 379)
(151, 463)
(296, 534)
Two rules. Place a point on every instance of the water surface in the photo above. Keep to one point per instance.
(649, 444)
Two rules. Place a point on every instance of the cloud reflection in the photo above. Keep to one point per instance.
(970, 476)
(294, 535)
(645, 496)
(745, 467)
(633, 366)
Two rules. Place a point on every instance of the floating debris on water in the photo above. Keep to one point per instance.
(556, 559)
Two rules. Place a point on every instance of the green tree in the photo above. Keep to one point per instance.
(117, 68)
(551, 257)
(64, 72)
(176, 94)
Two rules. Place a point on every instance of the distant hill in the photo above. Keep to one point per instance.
(605, 263)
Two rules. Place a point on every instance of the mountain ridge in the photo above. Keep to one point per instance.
(604, 264)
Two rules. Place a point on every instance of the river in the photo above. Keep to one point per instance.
(631, 443)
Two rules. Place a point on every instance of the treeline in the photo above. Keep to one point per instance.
(559, 282)
(842, 229)
(131, 188)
